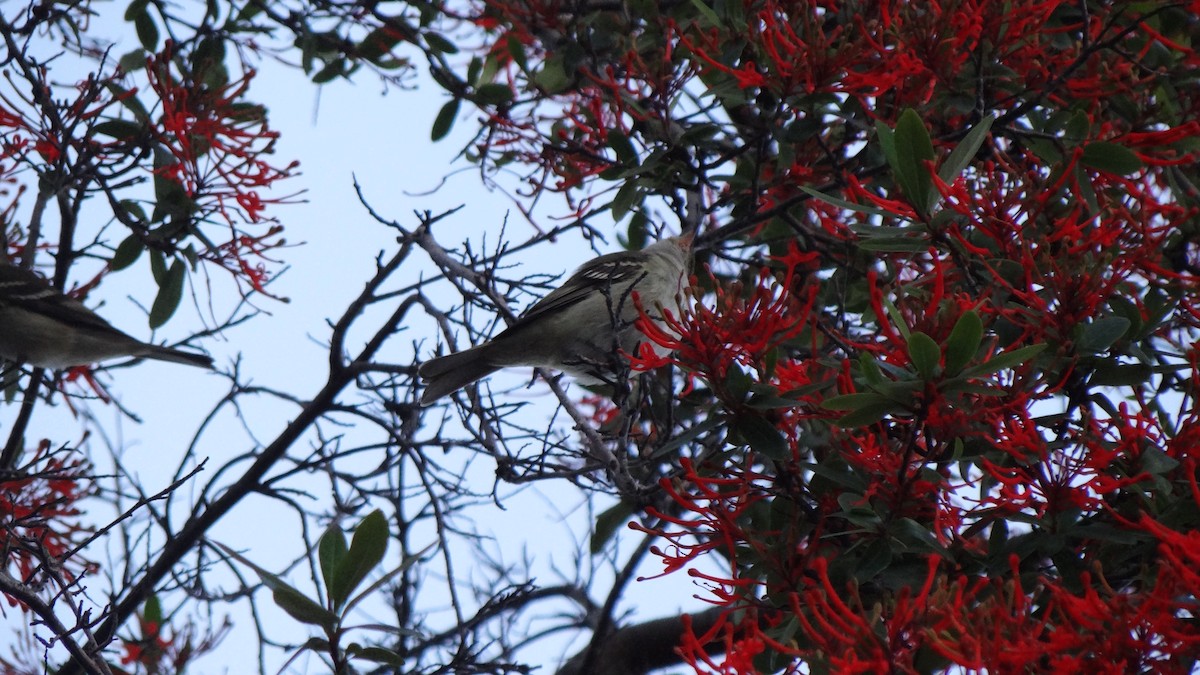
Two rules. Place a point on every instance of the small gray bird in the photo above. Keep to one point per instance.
(44, 328)
(577, 328)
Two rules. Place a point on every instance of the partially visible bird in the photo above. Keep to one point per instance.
(44, 328)
(579, 326)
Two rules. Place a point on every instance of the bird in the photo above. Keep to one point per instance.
(579, 326)
(42, 327)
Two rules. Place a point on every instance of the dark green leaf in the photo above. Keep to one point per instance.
(290, 600)
(622, 147)
(628, 196)
(869, 414)
(251, 9)
(762, 436)
(913, 150)
(135, 8)
(964, 341)
(493, 94)
(170, 292)
(1109, 374)
(887, 142)
(869, 369)
(915, 535)
(127, 252)
(709, 15)
(1100, 334)
(438, 43)
(553, 78)
(843, 204)
(129, 100)
(377, 654)
(379, 43)
(133, 60)
(119, 129)
(147, 31)
(925, 354)
(875, 559)
(966, 150)
(608, 523)
(893, 244)
(517, 51)
(152, 612)
(1156, 462)
(853, 401)
(1078, 127)
(1006, 360)
(444, 120)
(331, 551)
(331, 71)
(1085, 190)
(1111, 158)
(299, 606)
(367, 549)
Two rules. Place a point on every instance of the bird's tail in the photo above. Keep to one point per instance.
(447, 374)
(177, 356)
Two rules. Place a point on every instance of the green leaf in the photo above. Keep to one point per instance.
(966, 150)
(1008, 359)
(1111, 158)
(379, 43)
(133, 60)
(853, 401)
(622, 147)
(608, 523)
(1156, 462)
(1085, 190)
(553, 78)
(367, 549)
(709, 15)
(129, 100)
(170, 293)
(761, 436)
(887, 142)
(330, 72)
(912, 149)
(444, 120)
(299, 606)
(119, 129)
(493, 94)
(147, 32)
(893, 244)
(331, 551)
(376, 654)
(843, 204)
(128, 251)
(1100, 334)
(1106, 373)
(963, 342)
(628, 196)
(869, 414)
(926, 355)
(135, 8)
(915, 536)
(152, 611)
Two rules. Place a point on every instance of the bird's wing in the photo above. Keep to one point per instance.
(22, 288)
(593, 277)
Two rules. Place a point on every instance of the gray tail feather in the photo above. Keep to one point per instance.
(447, 374)
(177, 356)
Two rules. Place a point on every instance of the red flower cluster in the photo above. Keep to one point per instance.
(217, 141)
(38, 514)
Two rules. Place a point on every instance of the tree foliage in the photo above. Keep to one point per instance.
(932, 402)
